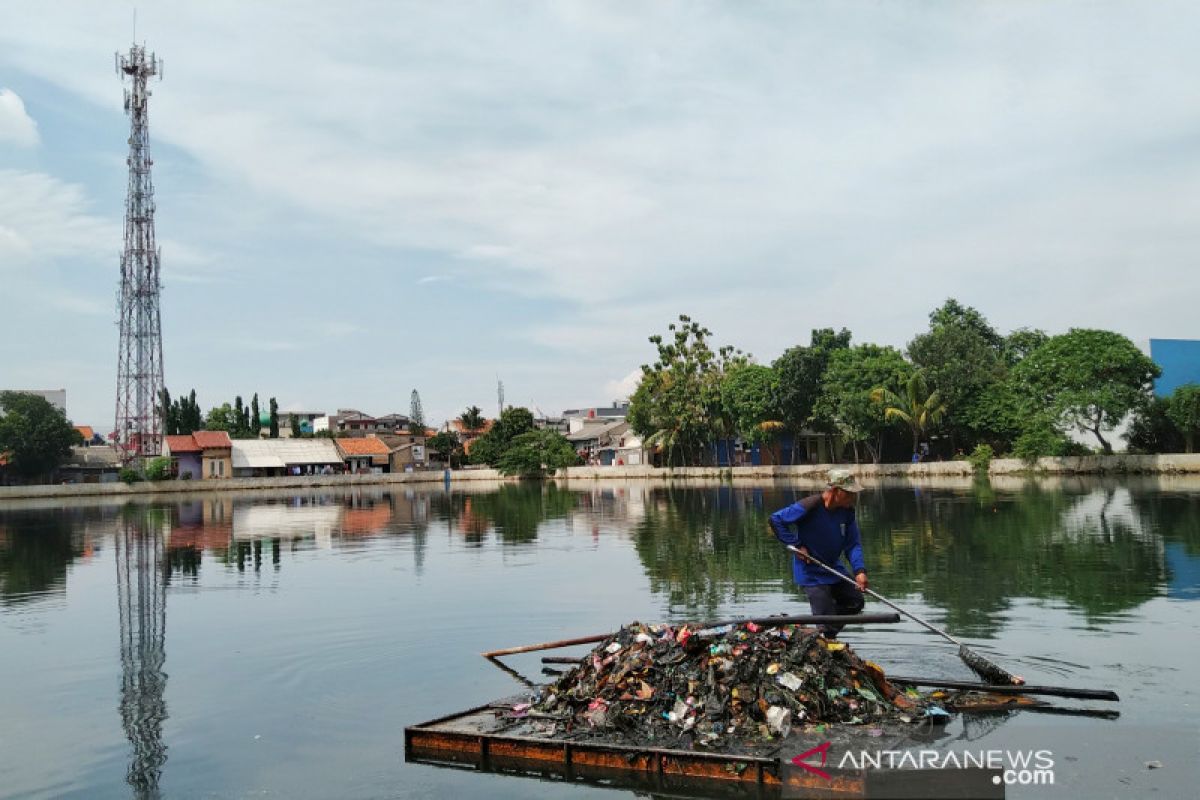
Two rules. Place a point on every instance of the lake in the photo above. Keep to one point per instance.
(277, 644)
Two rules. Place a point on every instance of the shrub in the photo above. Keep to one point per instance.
(981, 457)
(159, 469)
(129, 475)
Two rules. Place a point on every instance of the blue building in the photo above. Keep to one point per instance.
(1180, 362)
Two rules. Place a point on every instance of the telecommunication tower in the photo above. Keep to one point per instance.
(138, 432)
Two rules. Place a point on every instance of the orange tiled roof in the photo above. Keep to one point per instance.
(86, 432)
(458, 426)
(362, 447)
(212, 439)
(183, 444)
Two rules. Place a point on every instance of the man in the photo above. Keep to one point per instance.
(823, 525)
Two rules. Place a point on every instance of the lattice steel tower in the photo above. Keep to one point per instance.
(139, 356)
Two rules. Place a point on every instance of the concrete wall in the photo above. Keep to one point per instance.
(1176, 464)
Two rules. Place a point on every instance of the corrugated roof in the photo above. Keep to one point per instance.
(362, 447)
(260, 453)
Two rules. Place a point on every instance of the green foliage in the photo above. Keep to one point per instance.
(489, 448)
(34, 435)
(129, 476)
(981, 458)
(1041, 438)
(255, 425)
(180, 416)
(416, 414)
(1151, 430)
(274, 423)
(1089, 379)
(851, 377)
(678, 405)
(222, 418)
(447, 446)
(536, 453)
(961, 355)
(750, 393)
(295, 420)
(158, 469)
(800, 371)
(1184, 410)
(918, 408)
(472, 419)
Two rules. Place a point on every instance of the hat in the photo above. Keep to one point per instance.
(842, 479)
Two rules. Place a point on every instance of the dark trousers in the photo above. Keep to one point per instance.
(834, 598)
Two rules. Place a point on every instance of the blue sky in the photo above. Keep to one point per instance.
(359, 199)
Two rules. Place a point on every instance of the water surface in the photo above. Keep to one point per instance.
(275, 645)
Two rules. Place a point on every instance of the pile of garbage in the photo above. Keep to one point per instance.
(718, 687)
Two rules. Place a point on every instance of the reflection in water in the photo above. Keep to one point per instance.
(142, 604)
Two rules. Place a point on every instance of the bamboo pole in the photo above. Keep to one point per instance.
(796, 619)
(1054, 691)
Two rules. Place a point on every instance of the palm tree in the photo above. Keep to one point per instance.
(472, 419)
(919, 408)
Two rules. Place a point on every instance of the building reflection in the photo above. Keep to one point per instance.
(142, 611)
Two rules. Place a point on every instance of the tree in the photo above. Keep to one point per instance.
(677, 405)
(1089, 379)
(800, 371)
(167, 412)
(489, 448)
(35, 436)
(274, 406)
(917, 407)
(845, 399)
(472, 419)
(536, 453)
(255, 426)
(750, 393)
(446, 445)
(1184, 410)
(1151, 429)
(223, 418)
(962, 355)
(239, 421)
(416, 415)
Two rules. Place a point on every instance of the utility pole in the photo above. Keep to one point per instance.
(138, 432)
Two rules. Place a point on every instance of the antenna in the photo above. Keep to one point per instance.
(499, 396)
(139, 354)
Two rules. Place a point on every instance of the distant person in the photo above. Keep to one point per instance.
(824, 525)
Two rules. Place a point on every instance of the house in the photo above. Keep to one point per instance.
(406, 451)
(95, 464)
(468, 437)
(306, 420)
(577, 417)
(253, 458)
(365, 455)
(203, 455)
(88, 434)
(598, 441)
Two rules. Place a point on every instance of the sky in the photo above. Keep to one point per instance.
(362, 198)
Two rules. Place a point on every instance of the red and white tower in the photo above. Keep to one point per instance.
(138, 432)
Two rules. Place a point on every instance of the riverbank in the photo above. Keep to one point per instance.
(1119, 464)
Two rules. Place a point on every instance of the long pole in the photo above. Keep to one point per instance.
(798, 619)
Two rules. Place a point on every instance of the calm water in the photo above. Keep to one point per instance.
(276, 645)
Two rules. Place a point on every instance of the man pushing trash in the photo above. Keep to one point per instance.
(823, 525)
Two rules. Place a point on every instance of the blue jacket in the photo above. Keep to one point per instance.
(828, 535)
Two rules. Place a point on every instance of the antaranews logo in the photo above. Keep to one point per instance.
(996, 767)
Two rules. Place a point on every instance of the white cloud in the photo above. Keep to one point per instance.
(428, 279)
(622, 388)
(16, 126)
(43, 217)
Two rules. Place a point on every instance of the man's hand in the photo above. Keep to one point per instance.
(861, 580)
(803, 554)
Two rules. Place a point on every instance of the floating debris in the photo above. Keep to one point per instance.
(717, 687)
